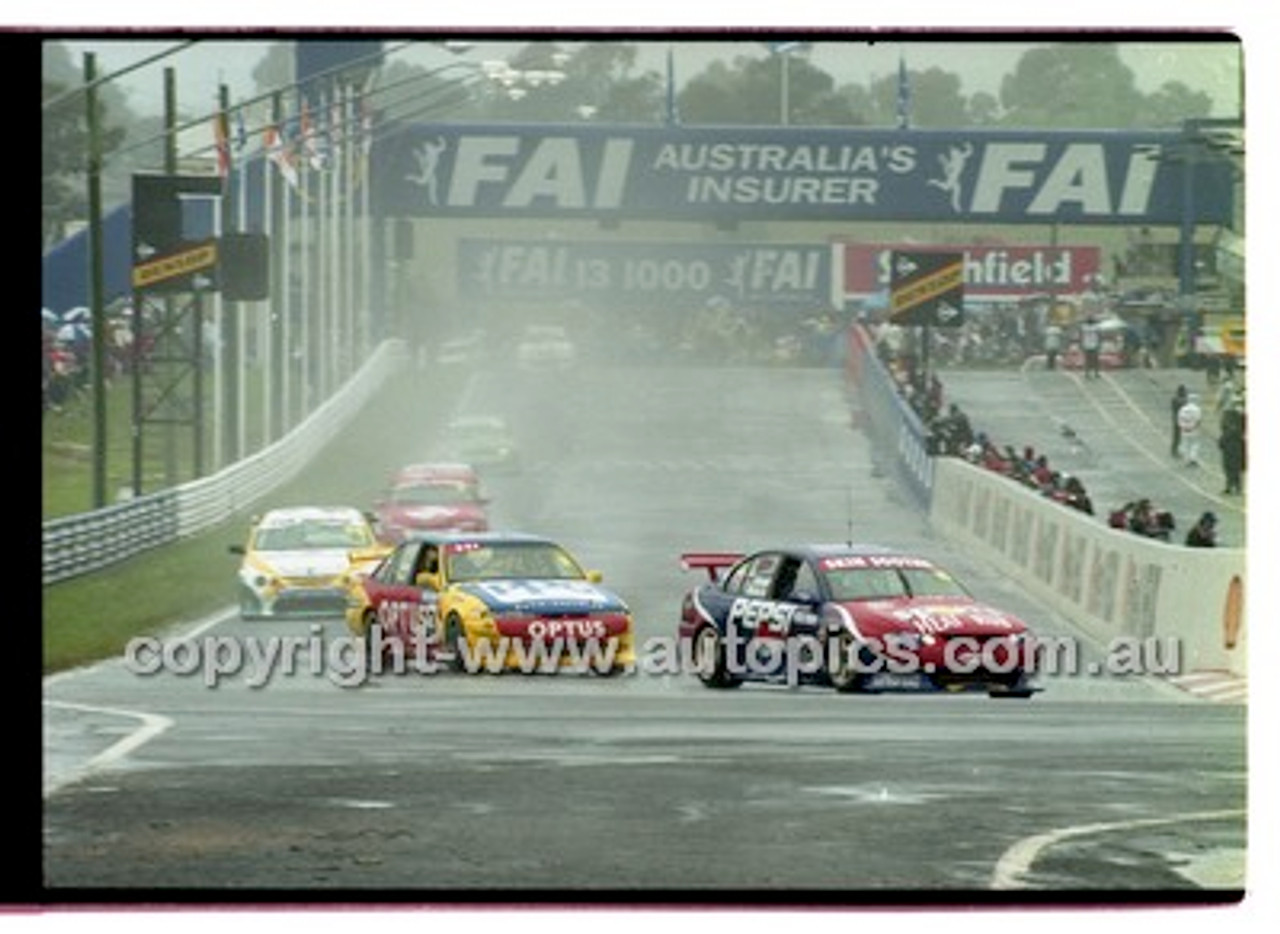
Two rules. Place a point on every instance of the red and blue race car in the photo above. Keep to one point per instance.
(859, 618)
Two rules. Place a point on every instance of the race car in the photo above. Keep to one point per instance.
(297, 560)
(483, 441)
(859, 618)
(426, 496)
(491, 601)
(545, 345)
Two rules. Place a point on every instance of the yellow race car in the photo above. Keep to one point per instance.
(490, 602)
(297, 560)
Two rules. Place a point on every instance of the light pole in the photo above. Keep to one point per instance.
(783, 50)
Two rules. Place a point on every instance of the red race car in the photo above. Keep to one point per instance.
(859, 618)
(433, 497)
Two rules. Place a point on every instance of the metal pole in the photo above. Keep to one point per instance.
(97, 314)
(171, 169)
(230, 343)
(784, 62)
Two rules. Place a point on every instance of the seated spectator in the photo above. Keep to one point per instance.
(1119, 518)
(1075, 495)
(1040, 470)
(1142, 518)
(1204, 533)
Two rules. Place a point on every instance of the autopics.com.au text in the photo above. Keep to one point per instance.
(349, 660)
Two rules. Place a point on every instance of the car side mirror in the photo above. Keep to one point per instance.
(236, 549)
(426, 580)
(595, 577)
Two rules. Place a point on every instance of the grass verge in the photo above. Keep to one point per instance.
(93, 617)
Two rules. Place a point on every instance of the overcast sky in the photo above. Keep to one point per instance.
(1212, 67)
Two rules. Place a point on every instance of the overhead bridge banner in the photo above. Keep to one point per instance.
(781, 173)
(647, 272)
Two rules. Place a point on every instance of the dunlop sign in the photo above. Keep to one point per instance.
(927, 288)
(164, 270)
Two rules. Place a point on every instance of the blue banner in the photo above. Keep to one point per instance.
(781, 173)
(644, 273)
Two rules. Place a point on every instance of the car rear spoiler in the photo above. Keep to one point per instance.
(363, 559)
(710, 561)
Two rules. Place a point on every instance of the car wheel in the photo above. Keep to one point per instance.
(371, 620)
(709, 657)
(250, 605)
(843, 674)
(454, 638)
(1015, 687)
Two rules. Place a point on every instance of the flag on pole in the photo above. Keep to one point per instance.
(242, 137)
(221, 144)
(310, 139)
(280, 155)
(904, 95)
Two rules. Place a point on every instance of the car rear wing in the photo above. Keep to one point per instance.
(711, 561)
(363, 560)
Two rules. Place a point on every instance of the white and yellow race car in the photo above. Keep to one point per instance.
(298, 561)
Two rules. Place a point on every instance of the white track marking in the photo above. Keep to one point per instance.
(1018, 859)
(1161, 463)
(152, 726)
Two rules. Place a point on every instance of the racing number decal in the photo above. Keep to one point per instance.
(766, 618)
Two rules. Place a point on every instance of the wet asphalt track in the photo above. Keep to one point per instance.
(445, 787)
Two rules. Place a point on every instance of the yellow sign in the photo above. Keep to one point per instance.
(927, 288)
(175, 265)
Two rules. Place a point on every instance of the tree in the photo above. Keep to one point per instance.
(935, 100)
(1071, 85)
(750, 91)
(64, 141)
(984, 109)
(1173, 103)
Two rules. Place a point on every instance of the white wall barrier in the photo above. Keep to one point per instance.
(90, 541)
(1109, 582)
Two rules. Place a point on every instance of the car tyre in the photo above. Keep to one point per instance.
(845, 677)
(454, 639)
(370, 620)
(1016, 688)
(250, 605)
(715, 674)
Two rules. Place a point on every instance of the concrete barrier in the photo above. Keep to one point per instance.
(1110, 583)
(899, 437)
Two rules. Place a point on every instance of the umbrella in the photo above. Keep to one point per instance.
(73, 332)
(48, 316)
(79, 313)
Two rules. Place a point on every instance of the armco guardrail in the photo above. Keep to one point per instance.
(895, 429)
(75, 545)
(1109, 582)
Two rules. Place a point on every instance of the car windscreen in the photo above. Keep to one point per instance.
(496, 561)
(883, 583)
(297, 536)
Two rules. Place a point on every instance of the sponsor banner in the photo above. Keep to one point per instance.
(814, 173)
(991, 272)
(666, 273)
(177, 268)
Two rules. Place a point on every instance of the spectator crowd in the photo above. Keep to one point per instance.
(952, 434)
